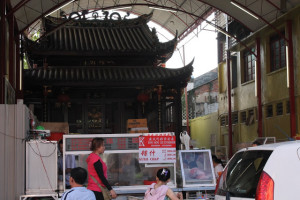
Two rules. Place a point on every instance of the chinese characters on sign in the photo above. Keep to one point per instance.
(111, 143)
(157, 148)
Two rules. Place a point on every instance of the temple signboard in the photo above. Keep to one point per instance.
(157, 148)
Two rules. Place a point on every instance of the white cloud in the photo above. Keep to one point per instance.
(201, 47)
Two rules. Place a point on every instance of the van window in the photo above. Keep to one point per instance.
(242, 174)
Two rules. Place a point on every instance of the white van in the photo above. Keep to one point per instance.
(266, 172)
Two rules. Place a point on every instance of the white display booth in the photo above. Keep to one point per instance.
(125, 173)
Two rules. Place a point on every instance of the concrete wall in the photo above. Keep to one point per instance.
(14, 124)
(202, 128)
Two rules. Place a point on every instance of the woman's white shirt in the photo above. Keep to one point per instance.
(218, 168)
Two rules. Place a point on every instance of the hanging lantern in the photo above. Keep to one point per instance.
(159, 91)
(63, 98)
(143, 98)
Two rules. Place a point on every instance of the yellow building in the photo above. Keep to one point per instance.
(275, 49)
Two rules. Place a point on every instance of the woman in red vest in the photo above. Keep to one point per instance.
(97, 170)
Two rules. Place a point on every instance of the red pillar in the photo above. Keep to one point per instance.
(258, 89)
(2, 49)
(229, 104)
(290, 62)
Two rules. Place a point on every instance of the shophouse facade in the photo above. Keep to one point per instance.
(203, 109)
(261, 98)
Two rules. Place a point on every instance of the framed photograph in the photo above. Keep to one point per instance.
(197, 168)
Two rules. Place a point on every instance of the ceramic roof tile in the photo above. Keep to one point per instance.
(83, 75)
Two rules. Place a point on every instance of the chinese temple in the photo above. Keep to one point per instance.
(97, 74)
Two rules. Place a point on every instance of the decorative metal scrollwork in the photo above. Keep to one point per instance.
(115, 13)
(95, 15)
(105, 13)
(77, 15)
(127, 15)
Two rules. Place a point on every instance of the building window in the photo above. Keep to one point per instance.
(287, 107)
(277, 54)
(250, 118)
(251, 112)
(269, 111)
(243, 117)
(234, 72)
(279, 108)
(224, 121)
(249, 65)
(235, 118)
(221, 51)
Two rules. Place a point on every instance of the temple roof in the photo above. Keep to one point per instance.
(108, 76)
(101, 39)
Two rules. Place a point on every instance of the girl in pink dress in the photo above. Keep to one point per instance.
(160, 190)
(97, 170)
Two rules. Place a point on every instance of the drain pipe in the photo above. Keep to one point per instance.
(290, 76)
(229, 103)
(258, 87)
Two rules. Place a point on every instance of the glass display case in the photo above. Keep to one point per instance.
(124, 169)
(196, 168)
(125, 173)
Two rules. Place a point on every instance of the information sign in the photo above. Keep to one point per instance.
(157, 148)
(111, 143)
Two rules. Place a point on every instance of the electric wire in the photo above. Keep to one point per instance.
(44, 156)
(18, 138)
(44, 166)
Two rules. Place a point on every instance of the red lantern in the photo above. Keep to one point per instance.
(159, 91)
(63, 98)
(142, 97)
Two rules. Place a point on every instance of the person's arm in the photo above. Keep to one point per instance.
(70, 163)
(99, 169)
(173, 196)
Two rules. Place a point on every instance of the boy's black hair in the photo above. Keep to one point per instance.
(163, 174)
(217, 160)
(79, 175)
